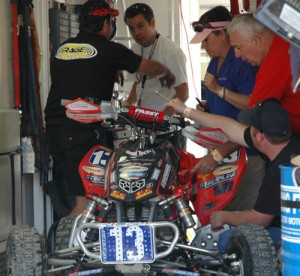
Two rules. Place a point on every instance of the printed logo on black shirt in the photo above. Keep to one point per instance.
(70, 51)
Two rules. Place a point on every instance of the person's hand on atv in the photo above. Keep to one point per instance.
(205, 165)
(177, 105)
(217, 220)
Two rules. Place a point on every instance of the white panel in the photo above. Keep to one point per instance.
(10, 130)
(6, 81)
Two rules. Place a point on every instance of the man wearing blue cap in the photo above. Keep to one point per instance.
(266, 128)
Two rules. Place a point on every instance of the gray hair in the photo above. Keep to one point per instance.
(246, 25)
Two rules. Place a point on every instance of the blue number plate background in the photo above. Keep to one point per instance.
(126, 244)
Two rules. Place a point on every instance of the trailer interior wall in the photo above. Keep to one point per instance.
(6, 84)
(6, 117)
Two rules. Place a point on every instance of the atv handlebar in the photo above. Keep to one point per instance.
(149, 118)
(86, 112)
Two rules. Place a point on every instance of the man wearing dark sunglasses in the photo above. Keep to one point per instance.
(140, 20)
(86, 67)
(266, 128)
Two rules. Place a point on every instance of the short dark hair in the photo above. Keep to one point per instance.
(139, 8)
(93, 14)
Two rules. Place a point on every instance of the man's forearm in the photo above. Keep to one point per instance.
(246, 217)
(152, 68)
(182, 92)
(233, 129)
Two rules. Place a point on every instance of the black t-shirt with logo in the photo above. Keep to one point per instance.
(85, 66)
(268, 200)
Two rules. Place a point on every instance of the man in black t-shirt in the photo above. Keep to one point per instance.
(86, 67)
(266, 128)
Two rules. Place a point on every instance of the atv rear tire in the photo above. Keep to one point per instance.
(24, 254)
(254, 248)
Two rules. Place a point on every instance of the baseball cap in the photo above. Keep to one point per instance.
(268, 116)
(203, 31)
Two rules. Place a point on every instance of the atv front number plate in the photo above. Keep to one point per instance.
(126, 243)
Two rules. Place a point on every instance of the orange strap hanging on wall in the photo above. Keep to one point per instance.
(243, 6)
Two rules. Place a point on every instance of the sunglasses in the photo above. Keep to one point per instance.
(259, 107)
(198, 28)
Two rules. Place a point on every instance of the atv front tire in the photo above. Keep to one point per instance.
(63, 232)
(255, 250)
(24, 254)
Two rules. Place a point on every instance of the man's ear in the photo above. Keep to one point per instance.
(223, 34)
(257, 41)
(260, 136)
(257, 135)
(152, 22)
(105, 25)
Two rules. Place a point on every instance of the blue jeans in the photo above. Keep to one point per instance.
(275, 233)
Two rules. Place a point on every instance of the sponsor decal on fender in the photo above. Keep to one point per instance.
(118, 194)
(138, 152)
(71, 51)
(165, 176)
(143, 193)
(155, 174)
(98, 171)
(130, 164)
(225, 169)
(133, 169)
(122, 159)
(95, 179)
(133, 175)
(218, 179)
(200, 176)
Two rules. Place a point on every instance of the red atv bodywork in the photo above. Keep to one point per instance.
(211, 192)
(92, 170)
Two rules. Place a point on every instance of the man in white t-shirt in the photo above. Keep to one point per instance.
(151, 45)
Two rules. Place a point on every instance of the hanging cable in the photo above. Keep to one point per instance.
(188, 47)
